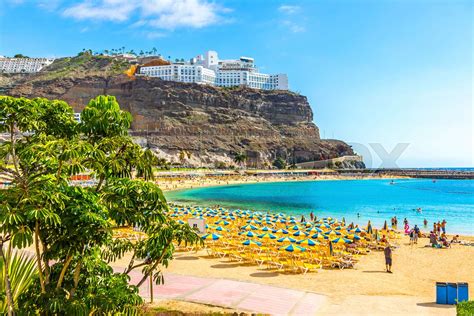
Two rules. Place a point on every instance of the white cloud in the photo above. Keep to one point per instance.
(162, 14)
(289, 9)
(293, 27)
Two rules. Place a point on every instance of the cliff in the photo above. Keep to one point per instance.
(208, 122)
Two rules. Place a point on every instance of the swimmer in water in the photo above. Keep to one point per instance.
(358, 215)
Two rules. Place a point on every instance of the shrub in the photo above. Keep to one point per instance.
(465, 308)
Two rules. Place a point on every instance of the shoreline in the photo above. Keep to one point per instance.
(204, 182)
(209, 182)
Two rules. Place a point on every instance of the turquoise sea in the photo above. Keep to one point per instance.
(377, 200)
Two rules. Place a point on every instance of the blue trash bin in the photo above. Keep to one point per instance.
(441, 293)
(463, 292)
(452, 293)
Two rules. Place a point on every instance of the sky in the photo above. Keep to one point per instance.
(393, 78)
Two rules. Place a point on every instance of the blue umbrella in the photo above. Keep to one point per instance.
(292, 248)
(211, 236)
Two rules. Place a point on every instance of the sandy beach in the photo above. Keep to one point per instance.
(367, 289)
(182, 182)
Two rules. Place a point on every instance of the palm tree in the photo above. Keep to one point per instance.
(20, 274)
(240, 158)
(182, 157)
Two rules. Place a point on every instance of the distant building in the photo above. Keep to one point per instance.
(23, 65)
(208, 69)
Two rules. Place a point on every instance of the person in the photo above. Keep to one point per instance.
(358, 214)
(412, 237)
(443, 226)
(444, 241)
(425, 223)
(455, 239)
(311, 215)
(388, 258)
(434, 227)
(416, 230)
(384, 239)
(433, 239)
(396, 221)
(438, 228)
(405, 222)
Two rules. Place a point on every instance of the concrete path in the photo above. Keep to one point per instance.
(238, 295)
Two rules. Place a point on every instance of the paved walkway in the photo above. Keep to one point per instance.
(238, 295)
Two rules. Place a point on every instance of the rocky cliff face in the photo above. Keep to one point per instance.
(208, 122)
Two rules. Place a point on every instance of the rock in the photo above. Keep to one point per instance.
(209, 122)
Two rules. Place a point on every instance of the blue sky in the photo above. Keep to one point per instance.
(374, 71)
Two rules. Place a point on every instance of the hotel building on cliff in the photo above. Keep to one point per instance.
(208, 69)
(23, 65)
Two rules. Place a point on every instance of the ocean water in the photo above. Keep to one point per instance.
(375, 200)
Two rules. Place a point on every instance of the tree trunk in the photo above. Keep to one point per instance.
(38, 258)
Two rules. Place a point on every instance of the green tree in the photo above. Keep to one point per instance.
(279, 163)
(240, 158)
(71, 227)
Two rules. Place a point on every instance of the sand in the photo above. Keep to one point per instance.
(182, 182)
(367, 289)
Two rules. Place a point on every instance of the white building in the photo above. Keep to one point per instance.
(181, 73)
(208, 69)
(23, 65)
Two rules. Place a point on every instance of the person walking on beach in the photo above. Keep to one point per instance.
(425, 222)
(443, 226)
(388, 257)
(311, 216)
(416, 232)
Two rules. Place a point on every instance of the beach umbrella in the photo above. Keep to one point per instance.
(181, 222)
(251, 243)
(341, 240)
(253, 222)
(286, 239)
(314, 230)
(295, 227)
(267, 236)
(174, 215)
(249, 227)
(332, 232)
(307, 242)
(211, 237)
(353, 237)
(356, 230)
(249, 234)
(325, 225)
(219, 228)
(292, 248)
(344, 221)
(222, 222)
(300, 233)
(319, 236)
(280, 231)
(264, 229)
(384, 225)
